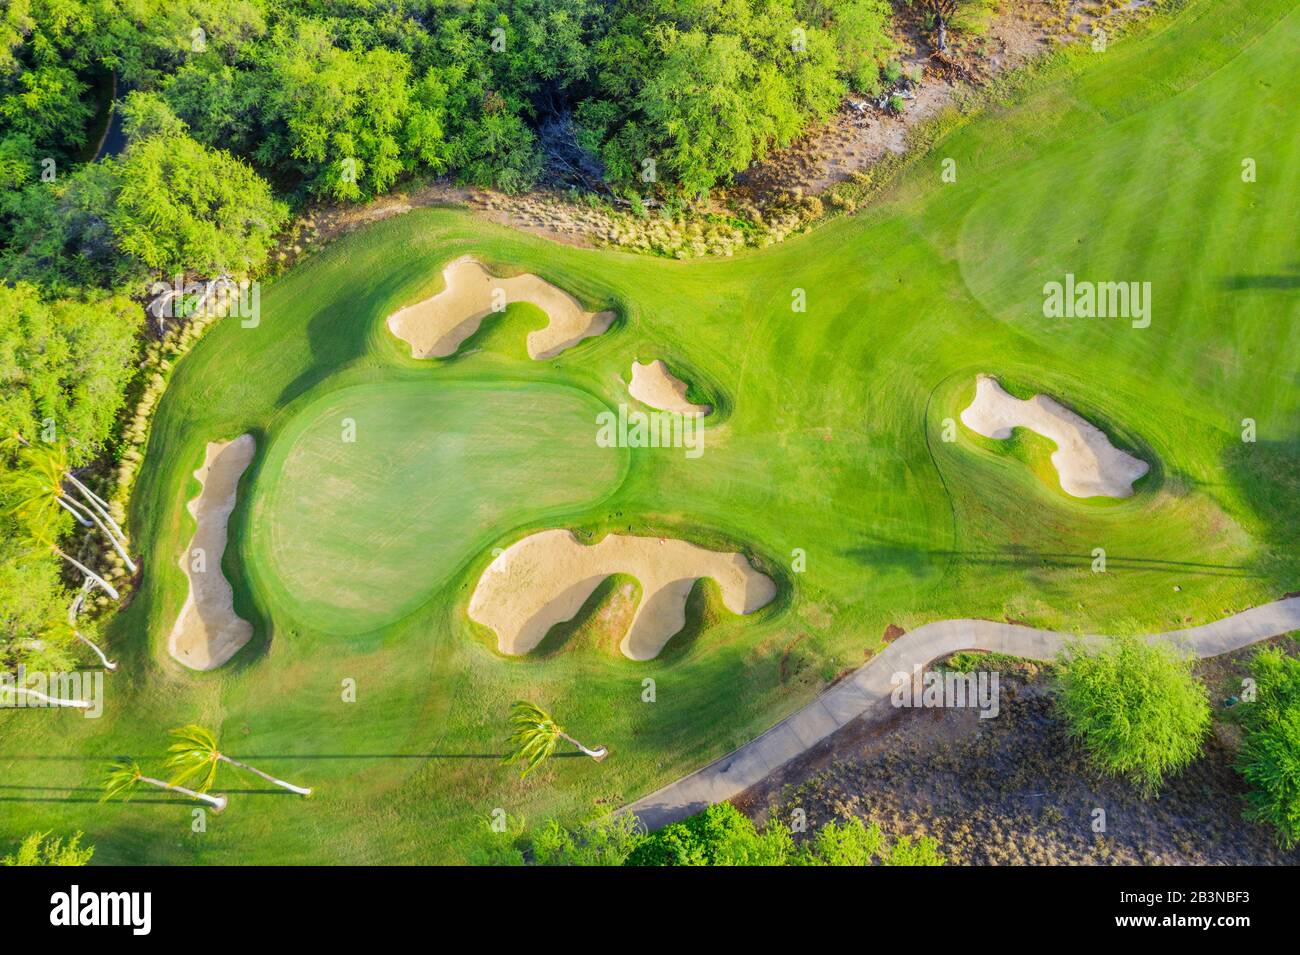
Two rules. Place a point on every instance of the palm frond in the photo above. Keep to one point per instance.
(194, 757)
(59, 633)
(120, 780)
(534, 736)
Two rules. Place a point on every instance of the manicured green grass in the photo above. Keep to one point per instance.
(829, 441)
(374, 495)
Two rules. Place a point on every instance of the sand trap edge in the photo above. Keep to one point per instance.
(1087, 463)
(437, 326)
(655, 386)
(208, 632)
(544, 579)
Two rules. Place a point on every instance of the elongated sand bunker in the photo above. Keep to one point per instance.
(654, 385)
(1088, 464)
(436, 327)
(208, 631)
(545, 579)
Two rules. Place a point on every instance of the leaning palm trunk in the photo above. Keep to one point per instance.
(96, 503)
(597, 754)
(217, 803)
(51, 700)
(113, 538)
(92, 497)
(75, 609)
(88, 573)
(267, 776)
(108, 664)
(74, 512)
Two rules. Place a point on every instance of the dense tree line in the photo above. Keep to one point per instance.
(339, 98)
(230, 112)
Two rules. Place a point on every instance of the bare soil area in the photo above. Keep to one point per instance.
(862, 132)
(1015, 789)
(858, 136)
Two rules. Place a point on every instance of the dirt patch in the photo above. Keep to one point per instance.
(1016, 790)
(789, 665)
(208, 632)
(893, 632)
(436, 327)
(545, 579)
(1087, 463)
(865, 130)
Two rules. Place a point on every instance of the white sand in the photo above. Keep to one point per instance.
(436, 327)
(654, 385)
(208, 632)
(545, 579)
(1088, 464)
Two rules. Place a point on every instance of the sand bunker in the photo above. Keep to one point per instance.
(208, 632)
(656, 386)
(1088, 464)
(545, 579)
(436, 327)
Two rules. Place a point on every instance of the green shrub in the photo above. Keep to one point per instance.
(1136, 707)
(720, 835)
(1269, 759)
(924, 851)
(40, 849)
(606, 840)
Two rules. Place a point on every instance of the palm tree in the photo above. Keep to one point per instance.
(196, 754)
(535, 736)
(71, 628)
(39, 486)
(123, 776)
(51, 700)
(43, 535)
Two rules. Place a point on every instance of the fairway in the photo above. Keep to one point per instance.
(374, 494)
(834, 459)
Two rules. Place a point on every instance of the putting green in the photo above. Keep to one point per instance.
(374, 494)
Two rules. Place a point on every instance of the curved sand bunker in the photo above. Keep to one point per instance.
(208, 632)
(436, 327)
(545, 579)
(1088, 464)
(654, 385)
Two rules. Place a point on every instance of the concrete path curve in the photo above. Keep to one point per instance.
(872, 684)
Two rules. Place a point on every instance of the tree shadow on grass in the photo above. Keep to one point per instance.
(340, 334)
(919, 561)
(1272, 283)
(1266, 476)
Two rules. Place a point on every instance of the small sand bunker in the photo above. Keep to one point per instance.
(656, 386)
(1088, 464)
(545, 579)
(436, 327)
(208, 632)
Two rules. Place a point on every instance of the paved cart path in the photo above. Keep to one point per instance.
(871, 685)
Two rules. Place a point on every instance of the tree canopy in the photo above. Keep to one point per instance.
(339, 99)
(1136, 707)
(1269, 758)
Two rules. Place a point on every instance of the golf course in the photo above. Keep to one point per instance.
(835, 367)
